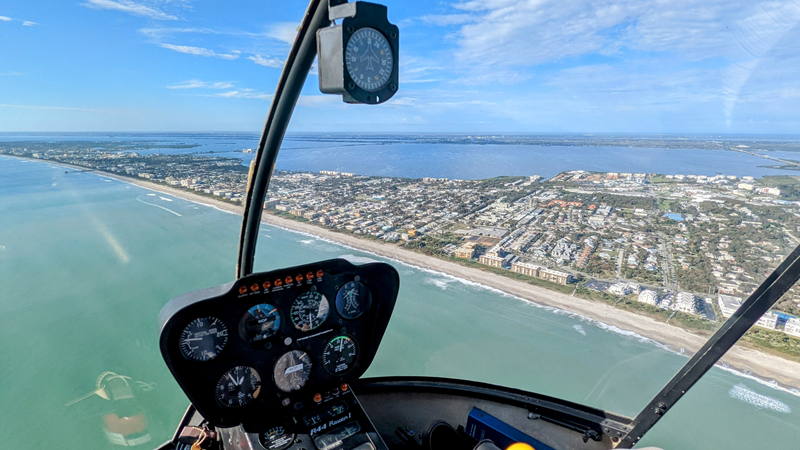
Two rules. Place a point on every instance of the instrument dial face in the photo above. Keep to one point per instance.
(276, 438)
(339, 355)
(292, 370)
(203, 339)
(309, 311)
(238, 387)
(260, 322)
(369, 60)
(352, 300)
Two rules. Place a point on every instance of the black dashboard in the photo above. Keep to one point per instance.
(275, 351)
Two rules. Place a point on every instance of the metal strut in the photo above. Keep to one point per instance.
(293, 77)
(759, 302)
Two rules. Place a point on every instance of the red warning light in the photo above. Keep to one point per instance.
(243, 290)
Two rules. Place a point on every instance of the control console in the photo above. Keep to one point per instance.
(275, 351)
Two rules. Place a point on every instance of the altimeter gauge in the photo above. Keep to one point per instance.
(238, 387)
(203, 339)
(309, 311)
(292, 370)
(339, 355)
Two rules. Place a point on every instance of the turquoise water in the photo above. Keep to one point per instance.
(87, 262)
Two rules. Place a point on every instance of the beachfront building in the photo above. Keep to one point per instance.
(792, 327)
(622, 288)
(465, 252)
(768, 321)
(556, 276)
(686, 302)
(648, 297)
(491, 260)
(531, 270)
(728, 304)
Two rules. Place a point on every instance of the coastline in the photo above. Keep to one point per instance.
(763, 366)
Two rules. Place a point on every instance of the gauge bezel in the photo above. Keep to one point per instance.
(251, 397)
(260, 342)
(311, 367)
(364, 308)
(223, 346)
(321, 322)
(350, 367)
(390, 58)
(288, 431)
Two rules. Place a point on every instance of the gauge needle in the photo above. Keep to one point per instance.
(193, 339)
(233, 380)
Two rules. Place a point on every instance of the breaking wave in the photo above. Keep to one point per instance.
(741, 392)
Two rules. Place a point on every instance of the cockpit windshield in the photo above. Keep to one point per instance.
(576, 197)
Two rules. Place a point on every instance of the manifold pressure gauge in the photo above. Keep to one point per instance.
(358, 59)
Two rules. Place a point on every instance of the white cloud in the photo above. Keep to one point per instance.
(5, 19)
(245, 93)
(200, 51)
(197, 84)
(28, 23)
(130, 7)
(285, 32)
(444, 20)
(266, 61)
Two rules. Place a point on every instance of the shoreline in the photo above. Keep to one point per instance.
(748, 362)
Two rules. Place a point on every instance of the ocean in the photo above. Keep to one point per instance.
(86, 263)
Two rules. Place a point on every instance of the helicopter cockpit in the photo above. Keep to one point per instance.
(274, 360)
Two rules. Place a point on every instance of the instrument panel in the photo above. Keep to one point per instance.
(278, 345)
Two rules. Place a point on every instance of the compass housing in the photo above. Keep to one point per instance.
(332, 42)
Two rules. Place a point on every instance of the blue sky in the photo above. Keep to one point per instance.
(682, 66)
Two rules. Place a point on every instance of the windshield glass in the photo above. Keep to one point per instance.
(575, 197)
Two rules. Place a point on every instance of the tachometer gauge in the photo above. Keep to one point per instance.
(260, 322)
(369, 60)
(292, 370)
(203, 339)
(276, 438)
(339, 355)
(238, 387)
(309, 311)
(352, 300)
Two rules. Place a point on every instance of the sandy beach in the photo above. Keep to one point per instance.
(762, 365)
(759, 364)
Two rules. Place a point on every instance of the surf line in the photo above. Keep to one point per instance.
(139, 199)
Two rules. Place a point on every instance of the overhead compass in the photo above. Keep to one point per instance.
(358, 59)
